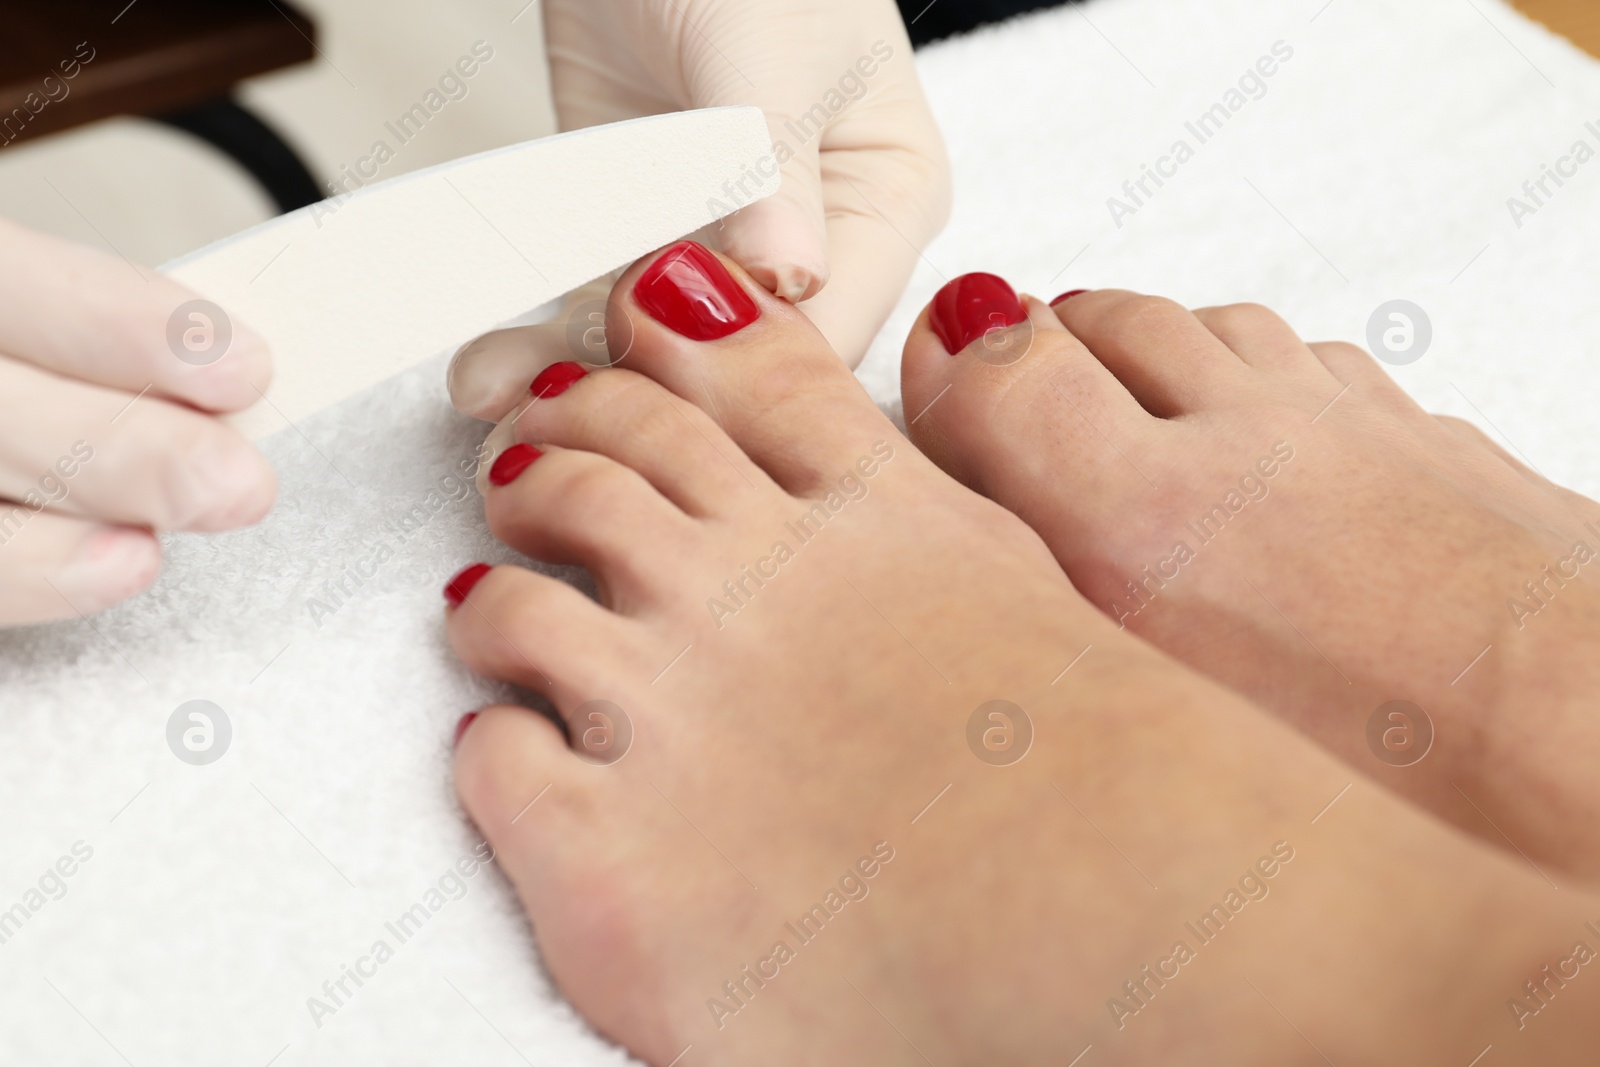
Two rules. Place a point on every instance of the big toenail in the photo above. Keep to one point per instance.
(971, 306)
(689, 291)
(512, 462)
(556, 379)
(1068, 295)
(458, 587)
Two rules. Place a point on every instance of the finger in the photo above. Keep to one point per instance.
(883, 206)
(781, 241)
(90, 315)
(94, 452)
(56, 567)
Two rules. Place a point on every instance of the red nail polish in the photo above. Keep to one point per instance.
(972, 305)
(556, 379)
(512, 462)
(689, 291)
(461, 728)
(1068, 295)
(459, 586)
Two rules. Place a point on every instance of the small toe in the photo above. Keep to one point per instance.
(539, 633)
(1258, 336)
(633, 420)
(564, 505)
(1165, 356)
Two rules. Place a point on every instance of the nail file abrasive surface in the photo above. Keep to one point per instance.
(353, 290)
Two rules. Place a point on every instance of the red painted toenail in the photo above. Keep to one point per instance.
(689, 291)
(512, 462)
(1068, 295)
(458, 588)
(972, 305)
(461, 728)
(556, 379)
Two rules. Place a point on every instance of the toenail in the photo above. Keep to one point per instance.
(461, 728)
(971, 306)
(556, 379)
(689, 291)
(459, 586)
(1068, 295)
(512, 462)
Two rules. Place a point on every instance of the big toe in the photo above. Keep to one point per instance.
(697, 324)
(1000, 395)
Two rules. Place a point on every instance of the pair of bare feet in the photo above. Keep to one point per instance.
(910, 774)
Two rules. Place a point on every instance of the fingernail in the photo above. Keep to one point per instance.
(972, 305)
(461, 728)
(689, 291)
(556, 379)
(512, 462)
(459, 586)
(1068, 295)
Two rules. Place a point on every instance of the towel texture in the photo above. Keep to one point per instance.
(206, 904)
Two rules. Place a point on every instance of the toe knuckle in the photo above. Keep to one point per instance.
(1242, 317)
(591, 485)
(1143, 313)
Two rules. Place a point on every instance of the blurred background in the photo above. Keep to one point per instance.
(325, 78)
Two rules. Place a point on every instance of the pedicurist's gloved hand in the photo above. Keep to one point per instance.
(865, 179)
(106, 431)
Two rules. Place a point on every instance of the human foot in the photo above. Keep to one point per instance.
(802, 623)
(1283, 517)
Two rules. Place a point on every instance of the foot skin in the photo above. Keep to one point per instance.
(1284, 518)
(796, 727)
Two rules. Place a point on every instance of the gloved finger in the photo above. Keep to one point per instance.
(490, 374)
(56, 567)
(100, 453)
(700, 55)
(91, 315)
(884, 205)
(781, 241)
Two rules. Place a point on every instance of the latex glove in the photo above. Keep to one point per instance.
(865, 188)
(104, 436)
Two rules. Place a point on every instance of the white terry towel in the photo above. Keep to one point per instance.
(1375, 164)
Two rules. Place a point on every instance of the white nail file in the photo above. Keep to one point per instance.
(353, 290)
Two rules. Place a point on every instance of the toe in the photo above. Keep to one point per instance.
(1351, 365)
(1259, 337)
(1165, 357)
(506, 758)
(488, 377)
(1030, 419)
(753, 363)
(564, 505)
(631, 419)
(539, 633)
